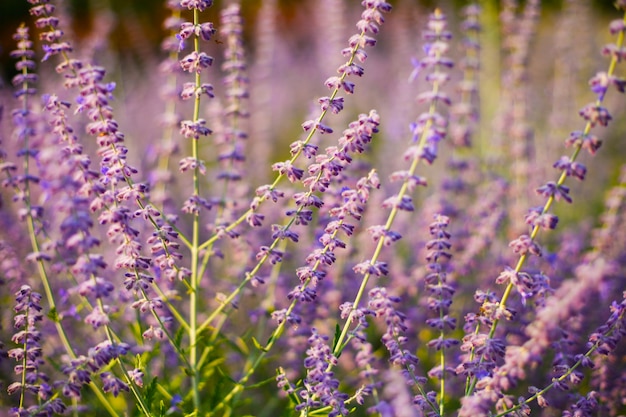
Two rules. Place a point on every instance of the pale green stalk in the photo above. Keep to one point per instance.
(195, 278)
(24, 360)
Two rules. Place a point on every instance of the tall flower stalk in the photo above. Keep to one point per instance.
(427, 132)
(195, 63)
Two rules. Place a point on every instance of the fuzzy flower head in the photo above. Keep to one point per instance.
(430, 128)
(199, 5)
(29, 354)
(321, 386)
(436, 46)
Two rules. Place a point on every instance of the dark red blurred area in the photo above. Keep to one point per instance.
(137, 25)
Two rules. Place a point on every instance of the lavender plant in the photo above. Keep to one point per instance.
(135, 285)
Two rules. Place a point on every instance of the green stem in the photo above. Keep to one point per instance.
(195, 278)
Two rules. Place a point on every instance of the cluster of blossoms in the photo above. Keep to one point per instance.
(80, 369)
(328, 166)
(427, 132)
(321, 387)
(464, 114)
(30, 357)
(430, 127)
(233, 133)
(441, 292)
(371, 19)
(195, 62)
(111, 190)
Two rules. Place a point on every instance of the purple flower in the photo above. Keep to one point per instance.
(113, 384)
(612, 50)
(337, 83)
(307, 149)
(379, 232)
(335, 105)
(554, 190)
(595, 114)
(367, 267)
(524, 244)
(274, 255)
(372, 16)
(300, 215)
(199, 5)
(321, 387)
(29, 354)
(194, 129)
(404, 202)
(382, 305)
(196, 62)
(98, 317)
(587, 141)
(536, 217)
(286, 168)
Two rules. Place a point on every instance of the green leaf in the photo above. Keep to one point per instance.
(337, 335)
(179, 337)
(53, 315)
(260, 384)
(226, 376)
(258, 345)
(139, 362)
(151, 391)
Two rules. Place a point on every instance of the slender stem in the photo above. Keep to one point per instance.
(25, 357)
(195, 278)
(442, 380)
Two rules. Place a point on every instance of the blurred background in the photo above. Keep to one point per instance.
(291, 41)
(292, 46)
